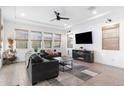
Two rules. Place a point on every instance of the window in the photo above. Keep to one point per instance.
(57, 40)
(48, 40)
(70, 41)
(21, 44)
(110, 37)
(36, 39)
(21, 38)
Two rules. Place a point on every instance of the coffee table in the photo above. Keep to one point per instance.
(65, 62)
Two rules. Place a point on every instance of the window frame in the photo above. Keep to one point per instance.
(58, 39)
(17, 39)
(51, 39)
(35, 39)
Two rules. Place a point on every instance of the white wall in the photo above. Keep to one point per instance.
(9, 27)
(109, 57)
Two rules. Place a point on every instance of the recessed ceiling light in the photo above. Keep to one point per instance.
(22, 14)
(93, 10)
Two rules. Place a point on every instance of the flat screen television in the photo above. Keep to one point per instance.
(84, 38)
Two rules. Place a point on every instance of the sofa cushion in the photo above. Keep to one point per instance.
(43, 54)
(35, 58)
(50, 53)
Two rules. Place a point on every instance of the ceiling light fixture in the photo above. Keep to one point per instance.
(22, 14)
(92, 9)
(94, 12)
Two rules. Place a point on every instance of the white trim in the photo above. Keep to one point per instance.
(40, 23)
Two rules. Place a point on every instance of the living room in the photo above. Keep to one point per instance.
(30, 31)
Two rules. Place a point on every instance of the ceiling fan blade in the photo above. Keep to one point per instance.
(64, 18)
(56, 13)
(53, 19)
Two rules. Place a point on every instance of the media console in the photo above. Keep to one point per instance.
(84, 55)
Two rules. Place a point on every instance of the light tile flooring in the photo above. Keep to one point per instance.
(15, 74)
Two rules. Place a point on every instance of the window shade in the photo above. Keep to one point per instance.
(47, 36)
(36, 35)
(21, 34)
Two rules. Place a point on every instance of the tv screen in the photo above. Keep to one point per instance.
(84, 38)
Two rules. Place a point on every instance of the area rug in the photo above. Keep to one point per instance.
(82, 72)
(89, 72)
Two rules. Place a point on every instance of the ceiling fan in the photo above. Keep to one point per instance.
(58, 17)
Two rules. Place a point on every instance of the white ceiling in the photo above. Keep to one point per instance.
(43, 14)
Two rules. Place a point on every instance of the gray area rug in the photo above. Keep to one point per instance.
(77, 72)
